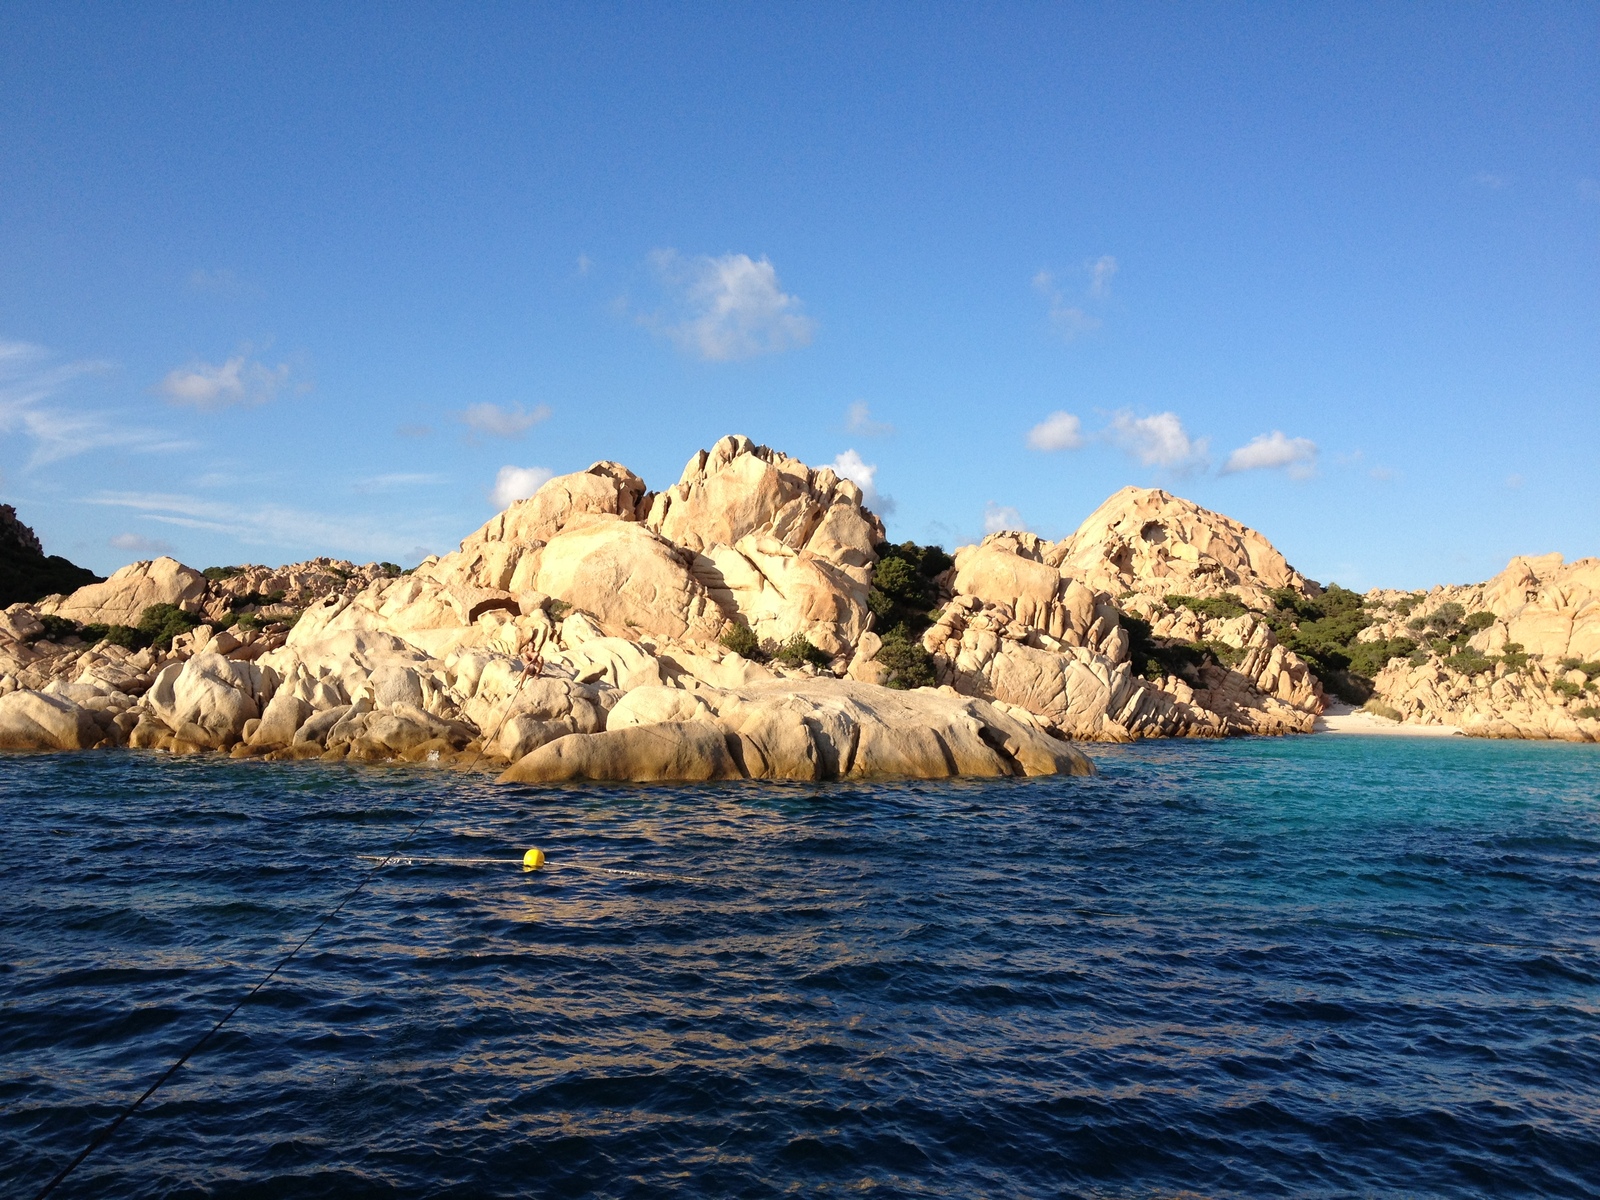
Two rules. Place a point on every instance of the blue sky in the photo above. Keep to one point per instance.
(278, 281)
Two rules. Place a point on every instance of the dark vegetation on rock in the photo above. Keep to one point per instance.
(903, 600)
(27, 573)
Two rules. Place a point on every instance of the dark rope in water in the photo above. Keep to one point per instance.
(104, 1135)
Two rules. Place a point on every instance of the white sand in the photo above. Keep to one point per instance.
(1342, 718)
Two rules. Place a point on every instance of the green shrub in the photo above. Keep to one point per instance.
(160, 623)
(1221, 607)
(1513, 656)
(1228, 656)
(1379, 709)
(390, 569)
(1564, 687)
(558, 610)
(1405, 604)
(1589, 713)
(908, 664)
(903, 594)
(741, 639)
(1446, 617)
(56, 629)
(1368, 658)
(798, 650)
(1477, 621)
(1469, 662)
(219, 573)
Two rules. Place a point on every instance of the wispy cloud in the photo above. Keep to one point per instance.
(1101, 272)
(1490, 180)
(728, 307)
(509, 422)
(136, 543)
(1070, 320)
(864, 475)
(1058, 431)
(32, 404)
(1159, 440)
(221, 282)
(518, 483)
(300, 531)
(241, 381)
(1269, 451)
(997, 518)
(394, 482)
(860, 421)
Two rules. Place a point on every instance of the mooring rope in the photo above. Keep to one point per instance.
(532, 666)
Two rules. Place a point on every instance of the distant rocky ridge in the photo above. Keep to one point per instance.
(27, 573)
(750, 622)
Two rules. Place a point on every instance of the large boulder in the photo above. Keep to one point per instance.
(32, 721)
(126, 594)
(207, 700)
(814, 729)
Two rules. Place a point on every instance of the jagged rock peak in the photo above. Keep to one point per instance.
(14, 535)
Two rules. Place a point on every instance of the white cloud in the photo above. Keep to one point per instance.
(1101, 272)
(240, 381)
(999, 517)
(29, 387)
(1269, 451)
(1058, 431)
(730, 307)
(518, 483)
(139, 544)
(510, 422)
(1157, 441)
(861, 422)
(849, 465)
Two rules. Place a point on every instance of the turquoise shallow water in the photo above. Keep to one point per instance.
(1302, 967)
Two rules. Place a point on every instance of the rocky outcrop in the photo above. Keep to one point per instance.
(1530, 667)
(122, 598)
(27, 573)
(812, 731)
(1155, 619)
(1150, 541)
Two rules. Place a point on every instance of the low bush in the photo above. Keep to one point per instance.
(1565, 687)
(160, 623)
(1469, 662)
(390, 569)
(741, 639)
(56, 629)
(798, 650)
(216, 574)
(1220, 607)
(1477, 622)
(1589, 713)
(908, 664)
(1513, 655)
(1379, 709)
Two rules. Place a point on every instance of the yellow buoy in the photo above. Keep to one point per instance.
(533, 859)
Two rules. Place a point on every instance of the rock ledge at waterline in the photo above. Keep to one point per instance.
(628, 595)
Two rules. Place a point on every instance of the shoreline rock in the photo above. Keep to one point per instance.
(1154, 619)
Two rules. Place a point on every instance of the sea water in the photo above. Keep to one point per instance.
(1321, 966)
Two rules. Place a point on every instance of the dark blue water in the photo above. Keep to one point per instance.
(1326, 966)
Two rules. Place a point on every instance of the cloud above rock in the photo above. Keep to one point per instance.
(1271, 451)
(239, 382)
(864, 475)
(1159, 440)
(728, 307)
(997, 518)
(861, 421)
(510, 422)
(1058, 431)
(518, 483)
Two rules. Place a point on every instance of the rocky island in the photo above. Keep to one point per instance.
(751, 621)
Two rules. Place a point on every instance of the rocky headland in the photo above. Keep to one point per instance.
(751, 622)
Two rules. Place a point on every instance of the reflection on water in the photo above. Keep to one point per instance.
(1316, 966)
